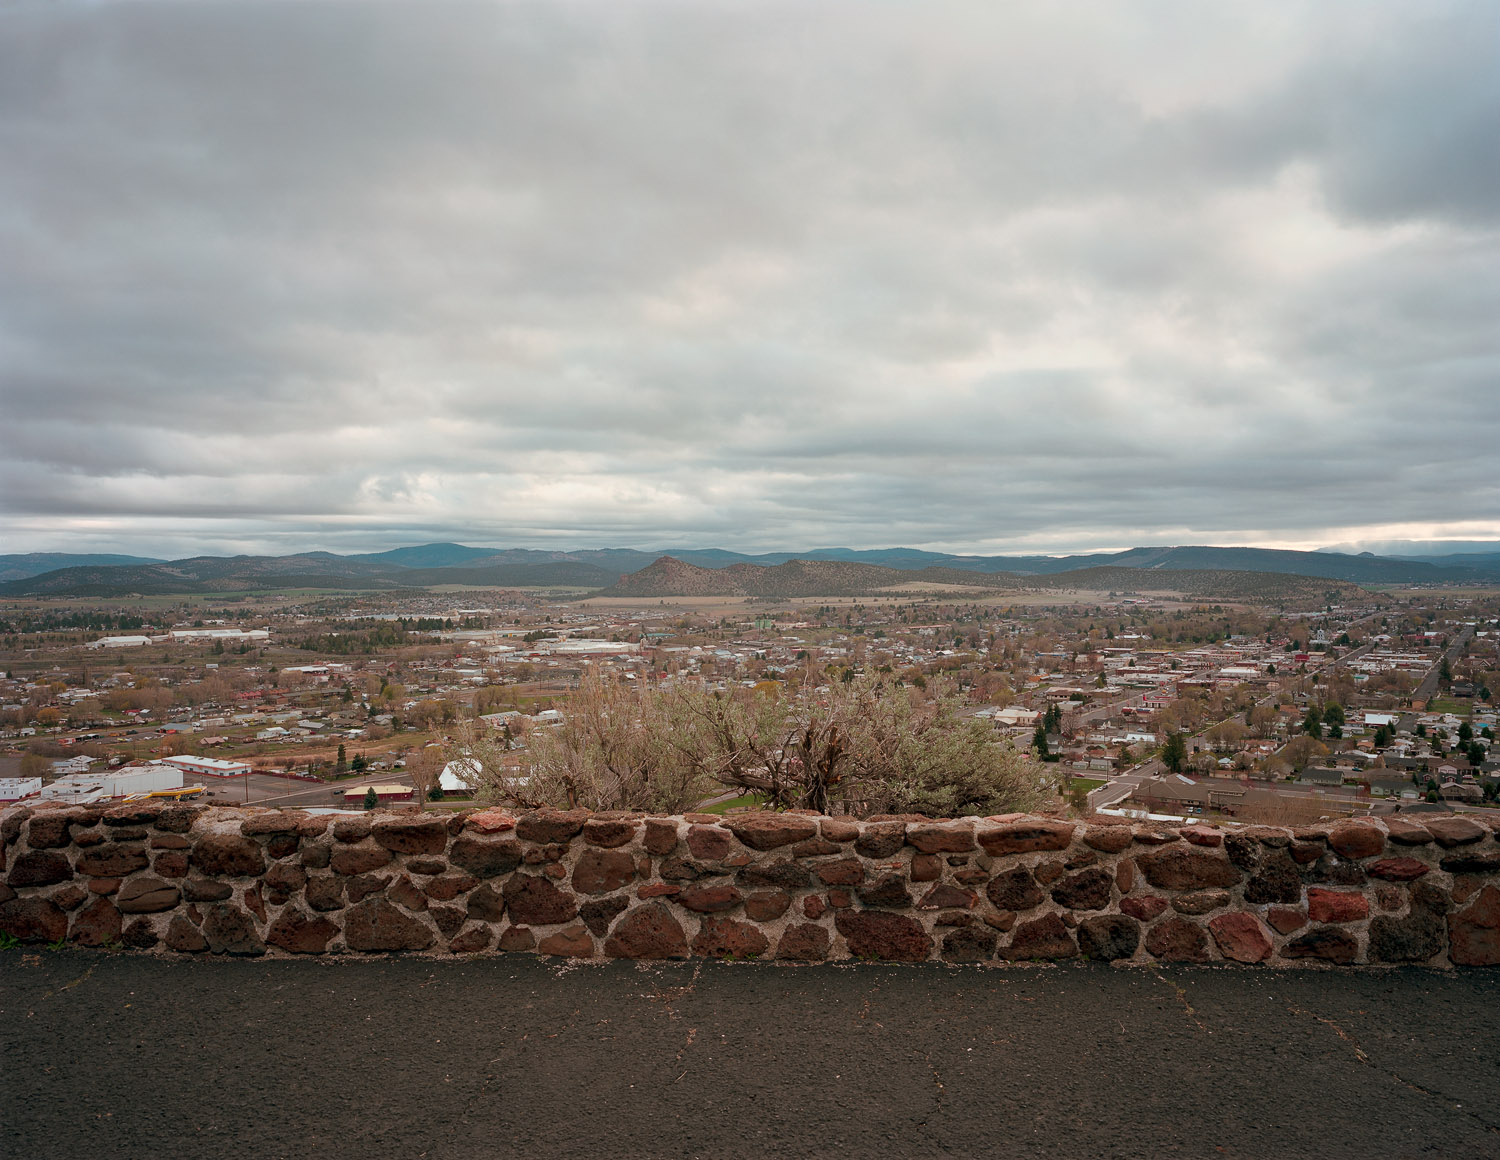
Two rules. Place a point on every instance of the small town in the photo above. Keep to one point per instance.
(1136, 705)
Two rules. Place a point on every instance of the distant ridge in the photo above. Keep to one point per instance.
(714, 571)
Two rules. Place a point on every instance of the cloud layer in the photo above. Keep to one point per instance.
(760, 275)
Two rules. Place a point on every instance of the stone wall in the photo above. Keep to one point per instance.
(792, 886)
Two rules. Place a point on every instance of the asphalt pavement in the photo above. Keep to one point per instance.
(132, 1056)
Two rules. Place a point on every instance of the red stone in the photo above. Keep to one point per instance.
(1145, 909)
(1176, 940)
(1125, 876)
(471, 941)
(657, 890)
(449, 886)
(1286, 918)
(490, 821)
(517, 938)
(941, 838)
(609, 833)
(272, 822)
(301, 934)
(1407, 833)
(768, 831)
(1240, 937)
(1109, 839)
(602, 871)
(803, 942)
(709, 843)
(879, 935)
(1202, 836)
(534, 901)
(661, 836)
(649, 931)
(1474, 932)
(575, 942)
(926, 868)
(1397, 869)
(725, 938)
(1042, 938)
(843, 872)
(814, 907)
(767, 905)
(839, 829)
(1026, 837)
(96, 924)
(1336, 905)
(1356, 840)
(710, 899)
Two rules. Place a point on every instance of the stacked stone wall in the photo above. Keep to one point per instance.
(788, 886)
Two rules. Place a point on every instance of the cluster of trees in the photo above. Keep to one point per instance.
(864, 746)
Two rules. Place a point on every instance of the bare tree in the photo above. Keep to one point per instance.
(426, 771)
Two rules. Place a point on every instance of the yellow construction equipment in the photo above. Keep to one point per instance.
(187, 791)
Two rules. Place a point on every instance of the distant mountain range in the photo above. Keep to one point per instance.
(713, 571)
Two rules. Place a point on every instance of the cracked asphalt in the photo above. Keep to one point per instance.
(126, 1056)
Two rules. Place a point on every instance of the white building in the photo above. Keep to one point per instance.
(13, 789)
(208, 766)
(120, 642)
(123, 782)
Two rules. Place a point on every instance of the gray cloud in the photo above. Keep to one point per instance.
(767, 276)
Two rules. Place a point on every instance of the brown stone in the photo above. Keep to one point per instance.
(283, 880)
(97, 924)
(598, 913)
(69, 897)
(1014, 889)
(230, 930)
(1397, 869)
(471, 941)
(254, 902)
(1145, 908)
(1200, 901)
(1327, 943)
(709, 843)
(324, 892)
(1025, 837)
(352, 829)
(803, 942)
(1202, 836)
(969, 944)
(724, 938)
(178, 819)
(574, 942)
(273, 822)
(782, 875)
(183, 936)
(1389, 897)
(1176, 940)
(39, 868)
(448, 919)
(1474, 932)
(661, 836)
(839, 898)
(880, 839)
(171, 864)
(649, 931)
(838, 829)
(316, 857)
(657, 890)
(1473, 863)
(146, 896)
(411, 835)
(843, 872)
(1455, 831)
(1108, 839)
(942, 897)
(491, 821)
(1356, 840)
(49, 830)
(1240, 937)
(34, 919)
(1125, 876)
(1276, 880)
(114, 860)
(1286, 918)
(603, 871)
(767, 831)
(877, 935)
(426, 865)
(361, 886)
(971, 875)
(169, 842)
(406, 893)
(202, 890)
(301, 934)
(485, 857)
(376, 925)
(449, 886)
(608, 834)
(1181, 868)
(486, 904)
(548, 825)
(887, 890)
(1086, 890)
(710, 899)
(360, 859)
(1304, 853)
(1407, 833)
(924, 868)
(814, 848)
(1156, 837)
(534, 901)
(1108, 937)
(1047, 937)
(1336, 905)
(941, 837)
(813, 907)
(229, 855)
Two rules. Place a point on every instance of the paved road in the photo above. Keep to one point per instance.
(109, 1055)
(1429, 683)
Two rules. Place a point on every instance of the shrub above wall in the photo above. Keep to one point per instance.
(787, 886)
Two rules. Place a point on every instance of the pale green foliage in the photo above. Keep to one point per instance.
(864, 746)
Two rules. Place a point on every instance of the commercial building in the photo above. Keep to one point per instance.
(208, 766)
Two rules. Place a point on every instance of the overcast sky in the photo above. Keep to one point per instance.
(981, 277)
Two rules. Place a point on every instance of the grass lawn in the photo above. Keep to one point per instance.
(1449, 705)
(1087, 784)
(748, 801)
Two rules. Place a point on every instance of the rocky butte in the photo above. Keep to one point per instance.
(795, 886)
